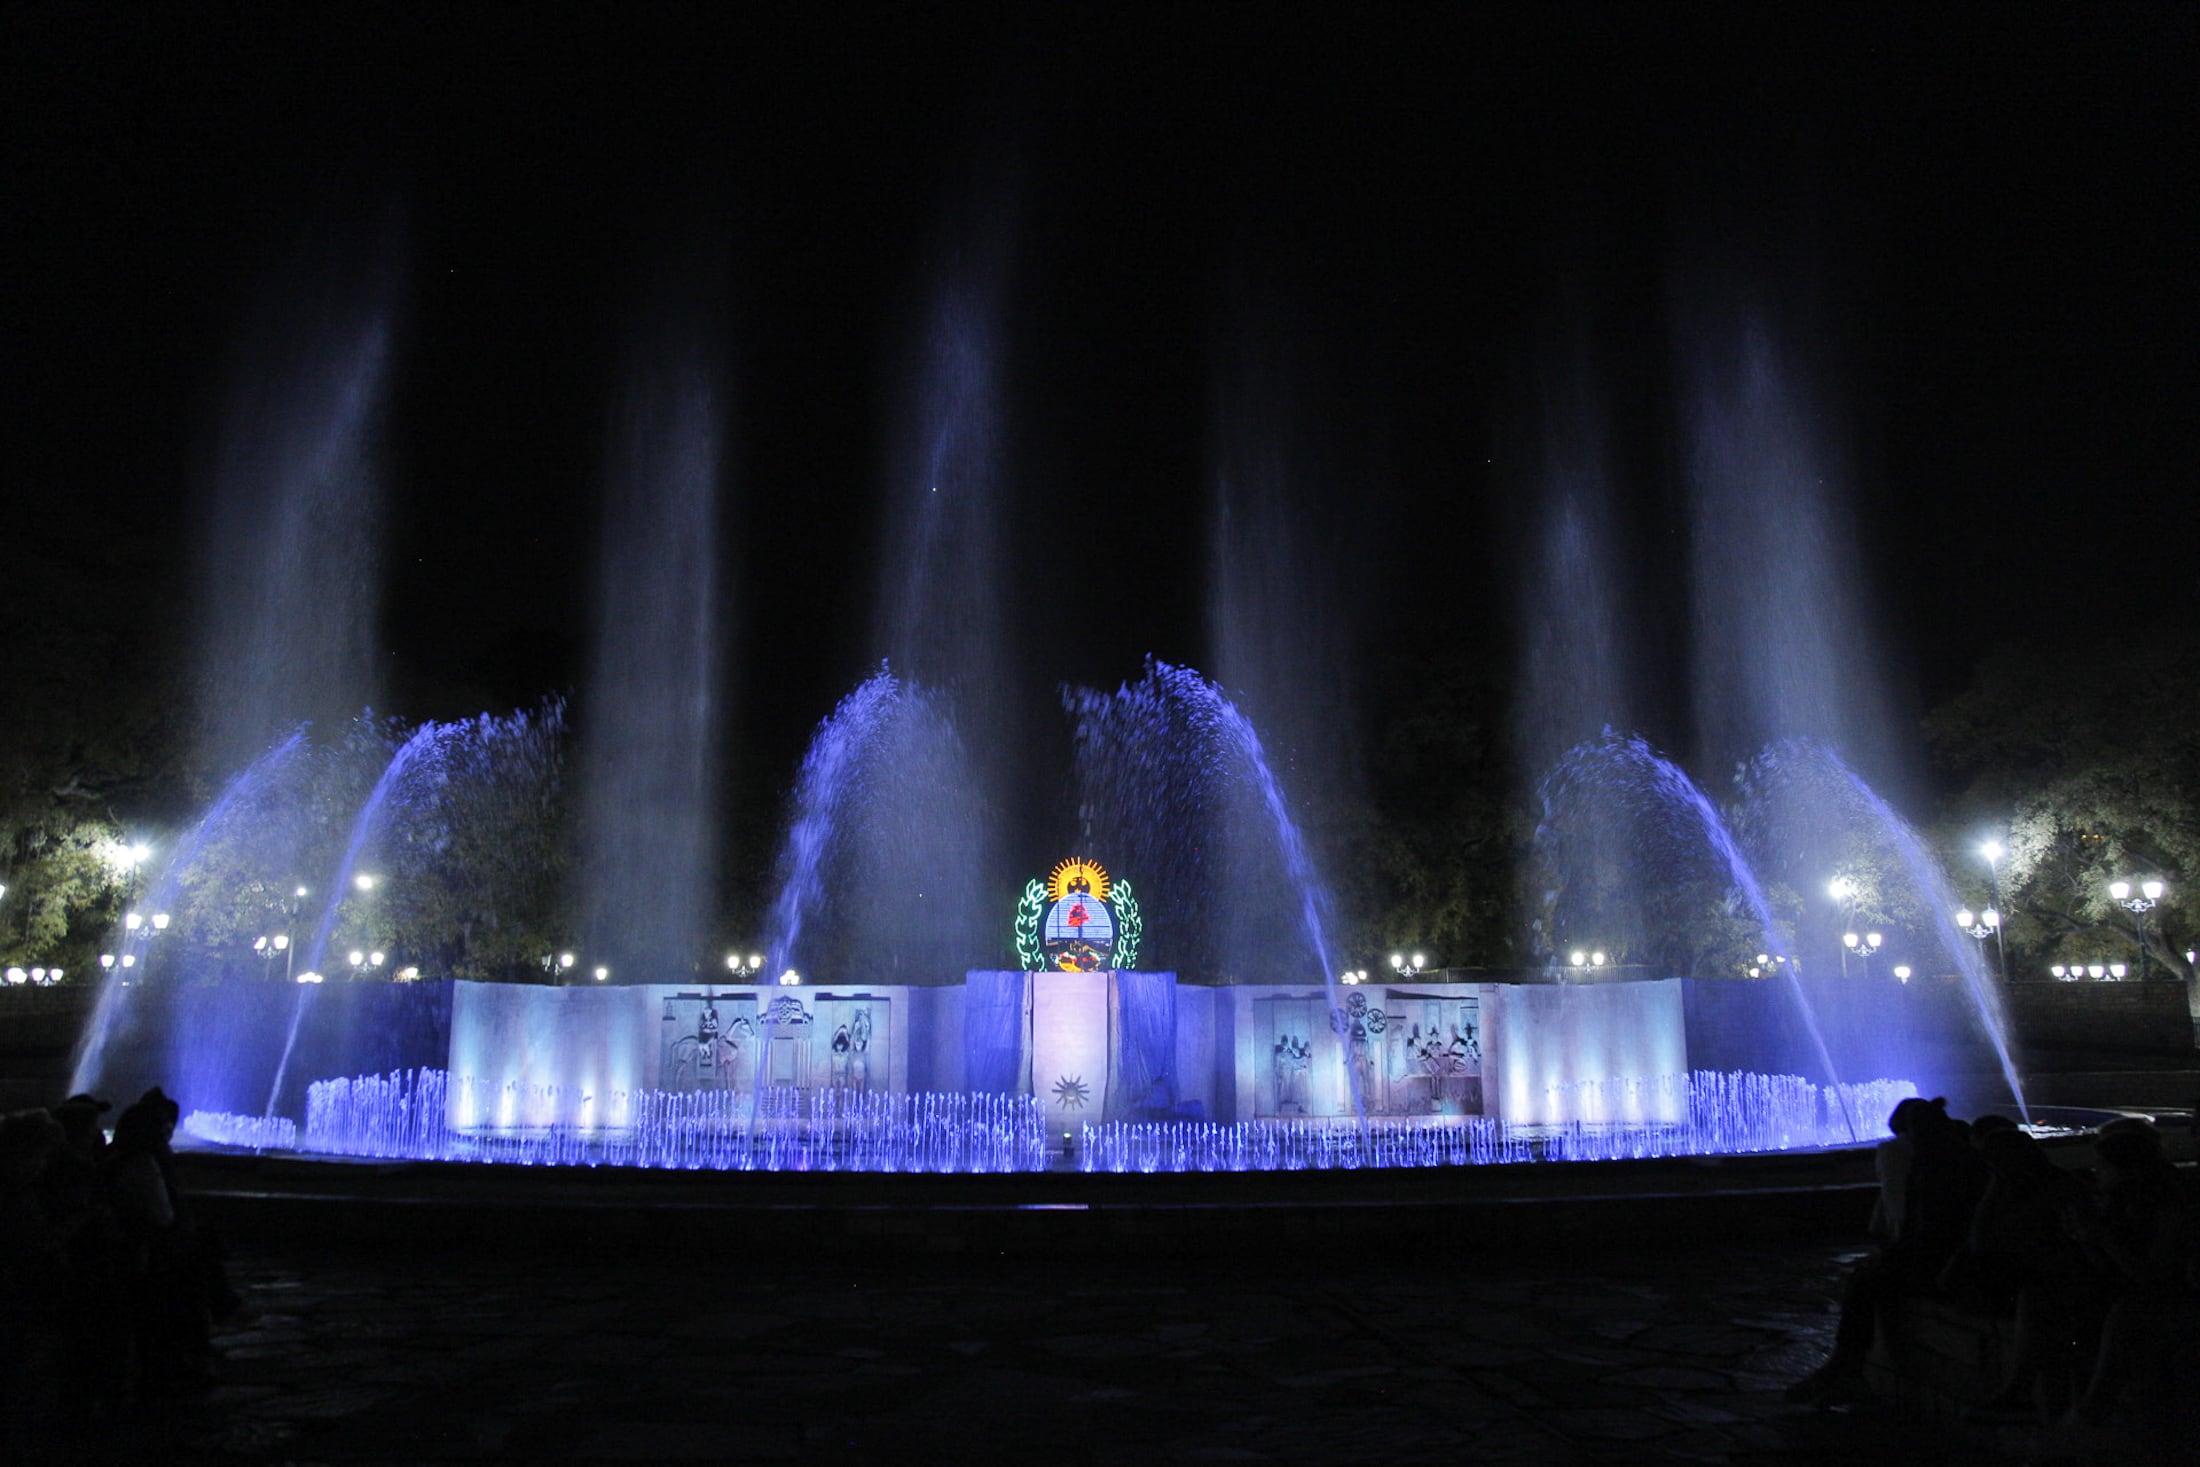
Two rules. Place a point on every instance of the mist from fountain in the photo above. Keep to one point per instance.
(1281, 623)
(111, 1014)
(1623, 769)
(650, 721)
(1799, 773)
(1163, 765)
(363, 827)
(1781, 643)
(287, 595)
(886, 774)
(830, 783)
(935, 794)
(1578, 667)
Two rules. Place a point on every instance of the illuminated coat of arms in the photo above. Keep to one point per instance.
(1079, 920)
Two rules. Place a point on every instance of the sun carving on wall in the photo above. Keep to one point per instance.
(1071, 1092)
(1067, 877)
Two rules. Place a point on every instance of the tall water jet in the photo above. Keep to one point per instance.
(649, 765)
(1278, 625)
(1576, 670)
(287, 588)
(1780, 642)
(940, 624)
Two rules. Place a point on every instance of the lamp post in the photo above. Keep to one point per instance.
(1902, 972)
(1981, 926)
(2150, 892)
(139, 929)
(557, 965)
(1406, 967)
(271, 947)
(744, 968)
(1992, 850)
(290, 910)
(364, 962)
(1587, 961)
(1353, 976)
(1843, 891)
(1865, 948)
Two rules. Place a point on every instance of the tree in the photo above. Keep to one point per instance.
(1448, 836)
(2088, 753)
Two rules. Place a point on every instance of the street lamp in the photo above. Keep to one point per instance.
(1354, 976)
(1902, 972)
(790, 979)
(1980, 926)
(2150, 892)
(1843, 891)
(363, 963)
(602, 972)
(744, 968)
(557, 965)
(1407, 967)
(1866, 947)
(271, 947)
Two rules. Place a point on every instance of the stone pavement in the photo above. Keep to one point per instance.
(417, 1354)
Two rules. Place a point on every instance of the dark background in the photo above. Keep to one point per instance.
(1976, 222)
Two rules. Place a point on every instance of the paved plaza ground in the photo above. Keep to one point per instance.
(413, 1352)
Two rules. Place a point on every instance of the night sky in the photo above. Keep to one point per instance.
(1977, 224)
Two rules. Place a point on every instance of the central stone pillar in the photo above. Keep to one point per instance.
(1069, 1048)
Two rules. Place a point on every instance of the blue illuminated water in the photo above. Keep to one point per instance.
(1812, 774)
(1164, 766)
(118, 987)
(404, 1115)
(824, 795)
(1623, 769)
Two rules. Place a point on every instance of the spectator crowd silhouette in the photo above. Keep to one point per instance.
(107, 1289)
(2092, 1270)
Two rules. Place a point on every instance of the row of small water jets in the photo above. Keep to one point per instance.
(1726, 1113)
(405, 1115)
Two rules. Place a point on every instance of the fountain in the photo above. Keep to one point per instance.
(1182, 1002)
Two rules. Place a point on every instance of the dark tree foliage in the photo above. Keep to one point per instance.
(1447, 833)
(2088, 754)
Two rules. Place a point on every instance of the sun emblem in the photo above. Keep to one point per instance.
(1070, 1092)
(1078, 875)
